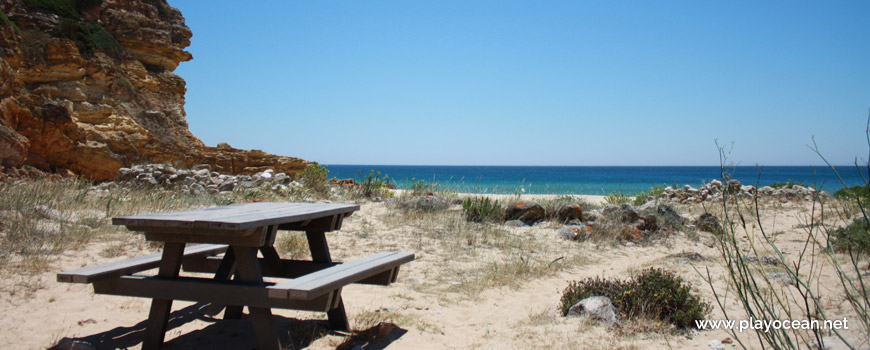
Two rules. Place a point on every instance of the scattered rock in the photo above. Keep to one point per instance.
(567, 213)
(708, 222)
(782, 277)
(526, 211)
(632, 233)
(574, 232)
(670, 215)
(716, 345)
(598, 308)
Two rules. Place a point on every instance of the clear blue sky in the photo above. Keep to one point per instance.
(531, 82)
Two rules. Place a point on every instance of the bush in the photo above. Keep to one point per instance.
(654, 191)
(655, 293)
(374, 185)
(63, 8)
(853, 238)
(420, 188)
(617, 198)
(787, 184)
(861, 193)
(482, 209)
(89, 37)
(313, 178)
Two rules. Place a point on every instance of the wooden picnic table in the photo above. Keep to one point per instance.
(240, 232)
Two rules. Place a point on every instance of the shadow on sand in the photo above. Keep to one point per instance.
(233, 334)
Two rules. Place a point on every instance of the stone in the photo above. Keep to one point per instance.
(526, 211)
(515, 223)
(671, 217)
(197, 189)
(716, 345)
(632, 233)
(569, 212)
(708, 222)
(574, 232)
(598, 308)
(624, 213)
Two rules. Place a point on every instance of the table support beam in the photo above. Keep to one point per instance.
(248, 270)
(320, 253)
(158, 317)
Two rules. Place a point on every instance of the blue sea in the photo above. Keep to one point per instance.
(594, 180)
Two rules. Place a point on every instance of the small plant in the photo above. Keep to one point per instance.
(654, 191)
(314, 179)
(374, 185)
(787, 184)
(617, 198)
(655, 293)
(89, 37)
(5, 20)
(420, 188)
(64, 8)
(854, 193)
(482, 209)
(854, 238)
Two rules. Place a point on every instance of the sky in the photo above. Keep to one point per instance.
(531, 82)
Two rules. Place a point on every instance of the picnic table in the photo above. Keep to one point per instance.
(230, 238)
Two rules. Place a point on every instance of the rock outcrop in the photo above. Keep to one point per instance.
(88, 86)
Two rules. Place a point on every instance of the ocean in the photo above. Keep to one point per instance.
(593, 180)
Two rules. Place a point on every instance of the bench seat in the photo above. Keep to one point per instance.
(381, 268)
(130, 266)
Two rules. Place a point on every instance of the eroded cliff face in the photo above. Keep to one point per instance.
(88, 86)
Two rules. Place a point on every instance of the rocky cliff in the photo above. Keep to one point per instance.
(88, 86)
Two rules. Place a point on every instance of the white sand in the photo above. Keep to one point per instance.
(430, 304)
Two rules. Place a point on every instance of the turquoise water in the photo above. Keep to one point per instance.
(596, 180)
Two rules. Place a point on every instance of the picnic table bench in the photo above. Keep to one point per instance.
(229, 239)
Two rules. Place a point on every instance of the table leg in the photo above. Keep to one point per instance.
(170, 265)
(248, 270)
(224, 271)
(320, 253)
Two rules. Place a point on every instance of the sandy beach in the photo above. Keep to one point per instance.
(457, 294)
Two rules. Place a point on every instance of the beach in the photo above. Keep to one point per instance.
(471, 286)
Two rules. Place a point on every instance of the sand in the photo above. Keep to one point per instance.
(434, 304)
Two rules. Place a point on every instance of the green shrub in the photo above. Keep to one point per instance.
(482, 209)
(787, 184)
(655, 293)
(617, 198)
(5, 20)
(654, 191)
(63, 8)
(861, 193)
(420, 188)
(314, 179)
(374, 185)
(89, 37)
(854, 238)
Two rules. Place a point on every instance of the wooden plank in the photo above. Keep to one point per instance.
(130, 266)
(326, 280)
(288, 269)
(320, 253)
(158, 317)
(238, 216)
(256, 240)
(278, 216)
(204, 290)
(248, 271)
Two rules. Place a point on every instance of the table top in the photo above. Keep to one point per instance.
(238, 216)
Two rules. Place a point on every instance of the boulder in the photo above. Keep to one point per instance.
(598, 308)
(574, 232)
(526, 211)
(569, 212)
(671, 217)
(708, 222)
